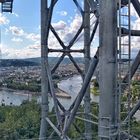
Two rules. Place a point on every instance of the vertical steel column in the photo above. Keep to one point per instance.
(44, 78)
(87, 107)
(136, 5)
(107, 68)
(0, 44)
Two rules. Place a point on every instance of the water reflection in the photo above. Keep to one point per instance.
(71, 86)
(8, 97)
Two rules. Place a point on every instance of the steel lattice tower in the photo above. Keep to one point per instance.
(109, 57)
(114, 81)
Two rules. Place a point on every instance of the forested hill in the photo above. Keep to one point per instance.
(53, 60)
(34, 61)
(37, 61)
(16, 63)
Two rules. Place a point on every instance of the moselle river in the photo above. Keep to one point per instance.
(71, 85)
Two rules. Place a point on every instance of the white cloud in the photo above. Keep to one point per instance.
(59, 25)
(15, 14)
(67, 34)
(20, 53)
(16, 31)
(136, 24)
(3, 19)
(63, 13)
(34, 47)
(6, 30)
(65, 31)
(33, 37)
(16, 39)
(133, 11)
(77, 21)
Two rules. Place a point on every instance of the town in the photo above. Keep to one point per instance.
(29, 77)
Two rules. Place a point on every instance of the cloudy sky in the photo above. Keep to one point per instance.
(20, 31)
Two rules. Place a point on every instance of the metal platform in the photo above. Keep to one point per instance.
(6, 6)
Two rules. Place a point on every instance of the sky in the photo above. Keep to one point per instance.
(20, 31)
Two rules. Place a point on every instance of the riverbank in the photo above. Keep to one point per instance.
(19, 92)
(62, 94)
(59, 92)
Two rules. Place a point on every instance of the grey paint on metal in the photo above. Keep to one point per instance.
(92, 66)
(82, 92)
(75, 64)
(67, 51)
(133, 32)
(133, 111)
(94, 30)
(107, 54)
(135, 64)
(136, 5)
(57, 37)
(107, 68)
(133, 69)
(44, 79)
(126, 136)
(53, 126)
(75, 37)
(58, 116)
(58, 63)
(46, 33)
(87, 106)
(46, 15)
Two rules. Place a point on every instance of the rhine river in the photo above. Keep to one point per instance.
(71, 86)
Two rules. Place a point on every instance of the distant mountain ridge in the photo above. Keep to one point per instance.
(35, 61)
(16, 63)
(53, 60)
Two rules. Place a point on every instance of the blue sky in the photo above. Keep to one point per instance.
(20, 31)
(25, 19)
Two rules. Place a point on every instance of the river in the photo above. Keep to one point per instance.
(9, 97)
(71, 86)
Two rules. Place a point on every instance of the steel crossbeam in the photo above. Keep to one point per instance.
(65, 117)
